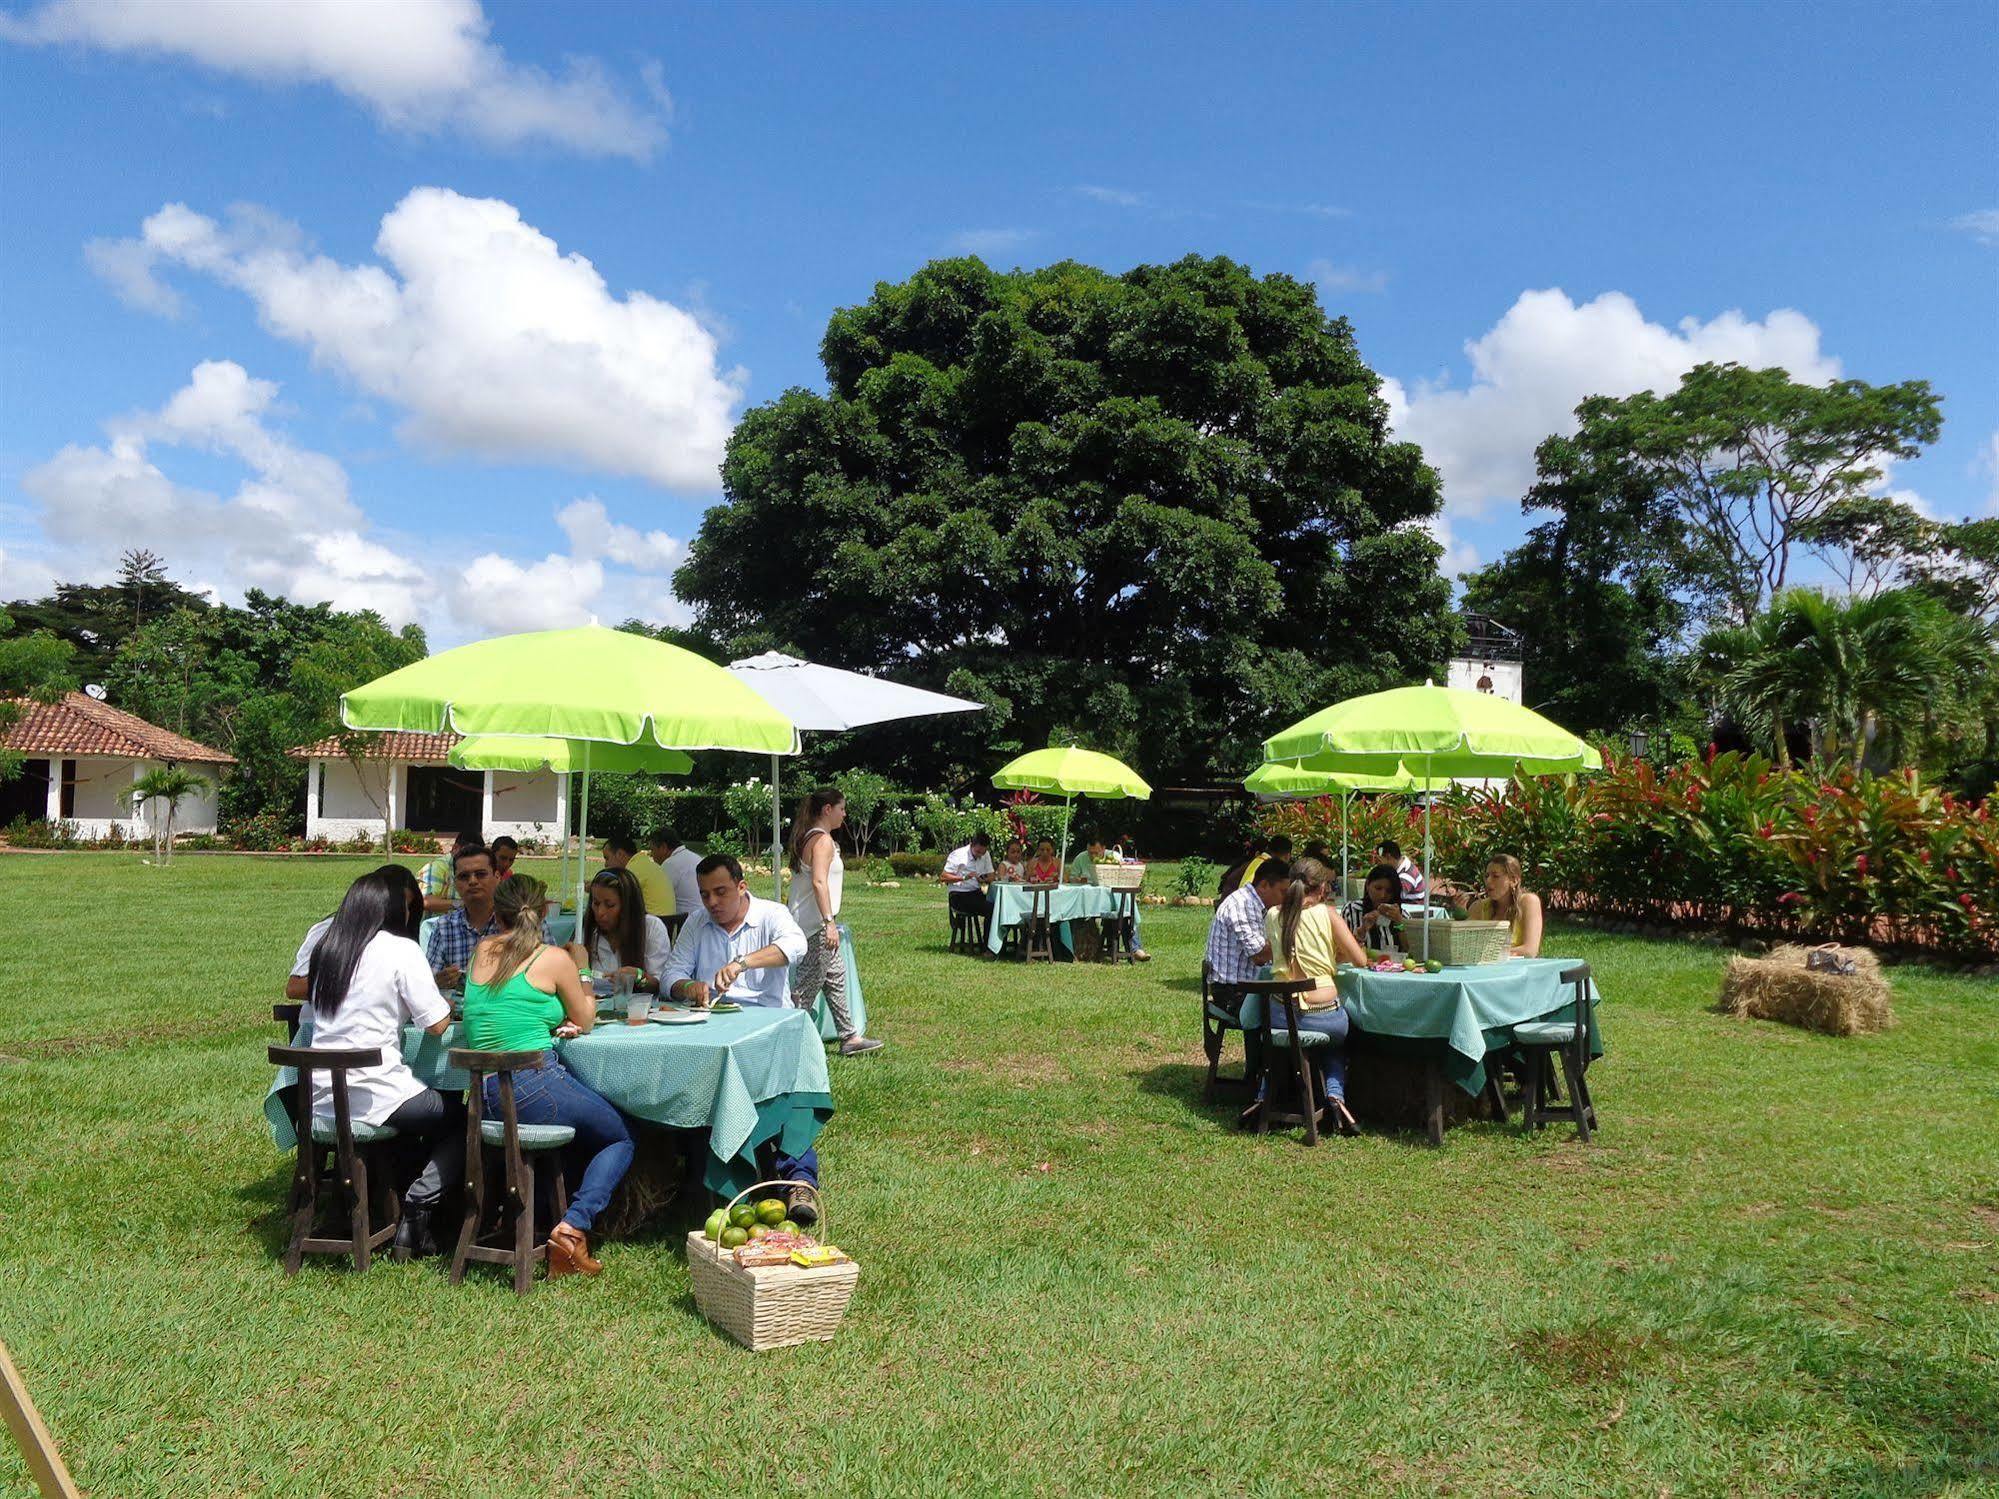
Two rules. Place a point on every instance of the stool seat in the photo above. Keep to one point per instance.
(1222, 1015)
(533, 1136)
(1545, 1033)
(323, 1132)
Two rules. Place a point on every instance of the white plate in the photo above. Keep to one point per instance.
(678, 1017)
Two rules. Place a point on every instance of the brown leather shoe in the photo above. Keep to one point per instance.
(569, 1252)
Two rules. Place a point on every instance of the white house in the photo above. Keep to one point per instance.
(408, 781)
(82, 758)
(1491, 660)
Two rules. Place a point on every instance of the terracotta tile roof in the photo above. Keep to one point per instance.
(414, 749)
(80, 725)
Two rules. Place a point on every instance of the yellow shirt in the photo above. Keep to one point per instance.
(653, 884)
(1316, 957)
(1482, 910)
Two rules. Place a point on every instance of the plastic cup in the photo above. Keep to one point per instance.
(637, 1007)
(623, 982)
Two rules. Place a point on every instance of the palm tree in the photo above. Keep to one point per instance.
(169, 784)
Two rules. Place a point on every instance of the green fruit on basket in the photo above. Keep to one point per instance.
(788, 1227)
(759, 1230)
(717, 1221)
(770, 1211)
(742, 1215)
(732, 1237)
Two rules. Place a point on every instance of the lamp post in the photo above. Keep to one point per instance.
(1638, 742)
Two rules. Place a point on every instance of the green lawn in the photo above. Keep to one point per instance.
(1776, 1271)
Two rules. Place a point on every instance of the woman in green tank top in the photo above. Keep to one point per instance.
(523, 995)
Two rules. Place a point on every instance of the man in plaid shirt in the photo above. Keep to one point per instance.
(452, 941)
(1237, 943)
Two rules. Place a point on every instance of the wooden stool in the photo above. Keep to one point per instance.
(1121, 928)
(1286, 1049)
(1038, 932)
(350, 1144)
(1221, 1012)
(1541, 1043)
(287, 1016)
(517, 1144)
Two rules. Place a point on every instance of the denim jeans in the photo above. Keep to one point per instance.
(550, 1094)
(795, 1167)
(1332, 1057)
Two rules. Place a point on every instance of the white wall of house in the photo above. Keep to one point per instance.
(100, 804)
(344, 802)
(1500, 678)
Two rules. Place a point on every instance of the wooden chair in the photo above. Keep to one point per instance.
(350, 1144)
(1037, 941)
(1286, 1051)
(1541, 1044)
(968, 930)
(287, 1015)
(1221, 1012)
(515, 1243)
(1121, 928)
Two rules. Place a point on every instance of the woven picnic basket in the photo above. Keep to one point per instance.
(1120, 876)
(771, 1306)
(1458, 944)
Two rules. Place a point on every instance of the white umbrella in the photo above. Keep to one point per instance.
(825, 699)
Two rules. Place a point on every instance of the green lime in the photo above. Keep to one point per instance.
(1435, 965)
(771, 1211)
(759, 1230)
(788, 1227)
(742, 1215)
(731, 1237)
(717, 1221)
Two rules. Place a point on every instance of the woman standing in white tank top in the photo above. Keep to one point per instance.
(817, 875)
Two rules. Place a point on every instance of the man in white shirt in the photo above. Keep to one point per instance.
(679, 861)
(968, 869)
(740, 947)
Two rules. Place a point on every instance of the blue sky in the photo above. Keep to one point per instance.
(363, 357)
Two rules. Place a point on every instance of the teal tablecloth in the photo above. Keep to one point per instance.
(745, 1078)
(856, 1001)
(1471, 1010)
(1066, 903)
(559, 928)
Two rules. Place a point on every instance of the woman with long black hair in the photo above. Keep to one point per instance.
(817, 874)
(366, 978)
(620, 934)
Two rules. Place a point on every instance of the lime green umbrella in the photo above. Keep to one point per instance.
(591, 685)
(1277, 780)
(528, 754)
(1070, 773)
(1435, 731)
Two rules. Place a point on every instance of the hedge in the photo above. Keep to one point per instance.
(1729, 841)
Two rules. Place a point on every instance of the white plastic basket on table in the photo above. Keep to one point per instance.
(770, 1306)
(1120, 876)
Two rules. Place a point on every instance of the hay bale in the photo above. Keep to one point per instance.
(1780, 987)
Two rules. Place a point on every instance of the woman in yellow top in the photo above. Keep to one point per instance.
(1504, 900)
(1309, 940)
(523, 995)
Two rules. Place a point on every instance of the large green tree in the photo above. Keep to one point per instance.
(34, 664)
(1159, 512)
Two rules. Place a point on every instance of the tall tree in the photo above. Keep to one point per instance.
(1160, 509)
(34, 664)
(1748, 458)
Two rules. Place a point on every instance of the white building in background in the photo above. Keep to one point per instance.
(1491, 660)
(83, 756)
(408, 781)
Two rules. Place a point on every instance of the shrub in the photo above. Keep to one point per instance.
(361, 843)
(1195, 876)
(36, 832)
(261, 832)
(897, 829)
(914, 865)
(403, 841)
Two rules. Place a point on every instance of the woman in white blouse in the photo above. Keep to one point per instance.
(364, 981)
(618, 935)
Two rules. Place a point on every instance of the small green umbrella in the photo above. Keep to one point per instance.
(567, 757)
(1277, 780)
(591, 685)
(1070, 773)
(1437, 732)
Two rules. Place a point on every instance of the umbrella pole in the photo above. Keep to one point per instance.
(776, 834)
(1429, 793)
(1067, 803)
(1345, 798)
(583, 843)
(562, 869)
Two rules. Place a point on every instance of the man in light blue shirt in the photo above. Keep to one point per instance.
(740, 947)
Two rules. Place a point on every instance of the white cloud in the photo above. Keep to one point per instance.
(1982, 225)
(991, 241)
(126, 266)
(1329, 277)
(1117, 197)
(292, 528)
(417, 65)
(1989, 461)
(1459, 556)
(1546, 354)
(491, 339)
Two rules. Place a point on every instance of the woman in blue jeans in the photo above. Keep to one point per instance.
(1309, 940)
(520, 995)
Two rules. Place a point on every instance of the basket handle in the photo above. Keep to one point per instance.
(818, 1200)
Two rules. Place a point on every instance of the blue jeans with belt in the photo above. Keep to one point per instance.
(1331, 1024)
(550, 1094)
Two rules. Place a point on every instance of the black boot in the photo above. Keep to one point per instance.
(414, 1240)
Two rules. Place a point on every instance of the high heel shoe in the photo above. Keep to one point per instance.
(569, 1252)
